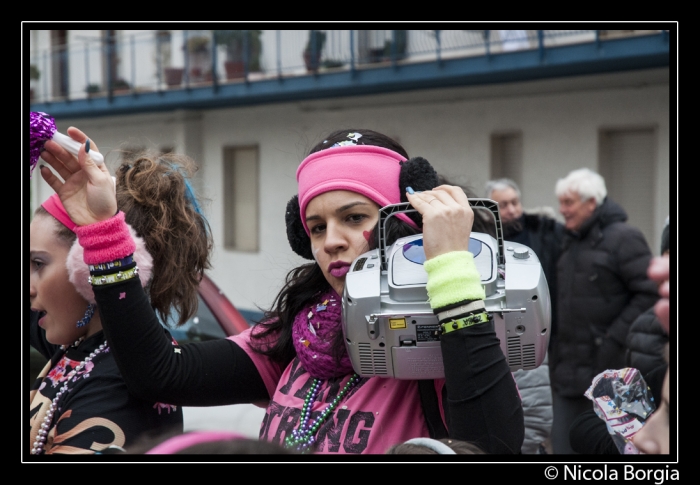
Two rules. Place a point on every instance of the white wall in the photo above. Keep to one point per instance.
(450, 128)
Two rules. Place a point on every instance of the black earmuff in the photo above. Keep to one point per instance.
(296, 235)
(418, 174)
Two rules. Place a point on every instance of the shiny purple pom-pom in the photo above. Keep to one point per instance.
(41, 128)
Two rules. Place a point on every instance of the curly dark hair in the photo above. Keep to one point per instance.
(154, 193)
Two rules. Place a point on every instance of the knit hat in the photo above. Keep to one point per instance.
(78, 270)
(378, 173)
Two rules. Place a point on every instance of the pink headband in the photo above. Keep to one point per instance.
(180, 442)
(368, 170)
(54, 206)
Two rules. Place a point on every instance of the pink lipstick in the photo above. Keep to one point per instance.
(338, 268)
(41, 319)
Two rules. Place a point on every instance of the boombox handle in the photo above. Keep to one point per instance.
(405, 207)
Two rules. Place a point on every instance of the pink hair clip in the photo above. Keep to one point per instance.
(42, 127)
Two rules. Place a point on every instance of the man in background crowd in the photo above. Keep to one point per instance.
(543, 234)
(536, 229)
(602, 287)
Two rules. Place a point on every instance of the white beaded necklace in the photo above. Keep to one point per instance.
(40, 441)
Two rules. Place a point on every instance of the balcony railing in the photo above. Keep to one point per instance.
(133, 62)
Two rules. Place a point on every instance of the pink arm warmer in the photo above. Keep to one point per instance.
(106, 241)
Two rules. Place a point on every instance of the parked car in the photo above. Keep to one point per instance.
(216, 318)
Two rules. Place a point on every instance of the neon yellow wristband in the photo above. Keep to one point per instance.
(465, 322)
(115, 277)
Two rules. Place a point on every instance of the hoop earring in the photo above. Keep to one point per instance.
(88, 315)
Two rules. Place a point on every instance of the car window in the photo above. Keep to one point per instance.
(202, 326)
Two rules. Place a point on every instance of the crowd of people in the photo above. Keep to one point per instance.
(112, 257)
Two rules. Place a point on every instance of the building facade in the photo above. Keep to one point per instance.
(530, 105)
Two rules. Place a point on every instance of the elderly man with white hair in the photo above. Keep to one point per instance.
(602, 287)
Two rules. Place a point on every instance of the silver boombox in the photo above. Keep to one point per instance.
(390, 329)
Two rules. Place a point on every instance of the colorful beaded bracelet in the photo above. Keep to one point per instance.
(114, 277)
(111, 271)
(119, 263)
(465, 322)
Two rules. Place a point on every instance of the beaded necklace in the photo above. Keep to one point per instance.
(304, 436)
(40, 441)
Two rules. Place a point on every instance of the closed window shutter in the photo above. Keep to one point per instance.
(241, 198)
(507, 156)
(628, 164)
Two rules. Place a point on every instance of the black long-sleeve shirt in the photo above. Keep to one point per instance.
(481, 406)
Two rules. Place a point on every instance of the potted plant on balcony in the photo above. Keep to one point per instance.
(396, 48)
(92, 89)
(34, 75)
(198, 44)
(198, 53)
(34, 72)
(312, 51)
(235, 43)
(121, 86)
(173, 76)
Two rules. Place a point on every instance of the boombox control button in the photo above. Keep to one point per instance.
(521, 253)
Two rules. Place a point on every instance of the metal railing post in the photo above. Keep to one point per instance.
(278, 38)
(352, 53)
(46, 77)
(109, 49)
(159, 62)
(187, 59)
(487, 43)
(133, 64)
(437, 39)
(246, 56)
(214, 62)
(87, 69)
(540, 43)
(64, 72)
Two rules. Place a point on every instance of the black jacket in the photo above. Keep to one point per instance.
(645, 343)
(602, 287)
(544, 236)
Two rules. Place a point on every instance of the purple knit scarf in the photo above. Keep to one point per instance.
(313, 332)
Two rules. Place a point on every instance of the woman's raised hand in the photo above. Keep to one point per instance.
(447, 219)
(87, 190)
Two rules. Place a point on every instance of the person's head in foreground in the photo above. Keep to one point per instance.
(430, 446)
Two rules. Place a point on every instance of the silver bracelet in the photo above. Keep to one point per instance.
(114, 277)
(475, 306)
